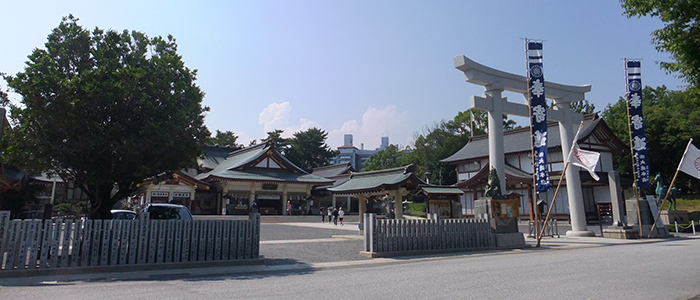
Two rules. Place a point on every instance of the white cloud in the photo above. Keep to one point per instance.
(376, 123)
(274, 115)
(277, 115)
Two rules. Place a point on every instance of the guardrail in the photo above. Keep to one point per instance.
(44, 244)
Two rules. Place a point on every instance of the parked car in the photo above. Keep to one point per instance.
(123, 214)
(166, 211)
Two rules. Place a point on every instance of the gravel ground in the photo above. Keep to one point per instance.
(270, 232)
(307, 245)
(317, 252)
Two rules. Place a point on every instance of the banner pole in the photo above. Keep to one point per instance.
(549, 211)
(634, 166)
(670, 186)
(533, 202)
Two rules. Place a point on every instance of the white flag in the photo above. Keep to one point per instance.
(690, 163)
(583, 158)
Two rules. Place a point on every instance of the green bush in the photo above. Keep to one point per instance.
(417, 209)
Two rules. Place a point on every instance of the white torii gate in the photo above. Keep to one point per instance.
(494, 83)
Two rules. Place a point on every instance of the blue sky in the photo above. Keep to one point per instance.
(370, 68)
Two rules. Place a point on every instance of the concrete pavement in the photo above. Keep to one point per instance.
(301, 247)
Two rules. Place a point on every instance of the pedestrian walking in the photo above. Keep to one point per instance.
(341, 213)
(329, 213)
(335, 216)
(323, 214)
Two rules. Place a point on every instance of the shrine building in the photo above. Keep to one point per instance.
(472, 164)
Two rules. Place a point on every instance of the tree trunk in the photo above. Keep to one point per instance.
(102, 202)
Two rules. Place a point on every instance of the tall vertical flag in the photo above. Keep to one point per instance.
(636, 119)
(538, 115)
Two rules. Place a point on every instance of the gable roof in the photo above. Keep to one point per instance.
(177, 177)
(213, 155)
(430, 189)
(331, 171)
(377, 181)
(595, 135)
(261, 162)
(513, 176)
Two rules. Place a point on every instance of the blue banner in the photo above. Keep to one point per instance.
(636, 119)
(538, 115)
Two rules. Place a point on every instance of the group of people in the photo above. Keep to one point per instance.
(333, 214)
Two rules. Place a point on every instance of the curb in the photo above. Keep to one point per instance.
(127, 268)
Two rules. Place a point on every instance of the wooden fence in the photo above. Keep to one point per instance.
(386, 235)
(39, 244)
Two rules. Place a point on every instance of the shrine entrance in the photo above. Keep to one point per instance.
(495, 82)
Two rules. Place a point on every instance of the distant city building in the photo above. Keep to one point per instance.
(385, 143)
(356, 157)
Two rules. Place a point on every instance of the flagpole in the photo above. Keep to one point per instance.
(658, 214)
(561, 178)
(533, 202)
(634, 166)
(549, 211)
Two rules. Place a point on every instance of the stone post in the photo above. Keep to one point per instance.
(495, 120)
(252, 195)
(567, 131)
(285, 200)
(616, 199)
(362, 209)
(398, 205)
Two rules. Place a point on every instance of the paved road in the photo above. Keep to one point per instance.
(310, 260)
(646, 270)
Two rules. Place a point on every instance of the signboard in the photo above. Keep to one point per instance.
(440, 207)
(505, 208)
(269, 186)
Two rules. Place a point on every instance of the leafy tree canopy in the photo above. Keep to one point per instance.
(388, 158)
(225, 138)
(463, 122)
(680, 35)
(275, 139)
(107, 110)
(582, 107)
(308, 149)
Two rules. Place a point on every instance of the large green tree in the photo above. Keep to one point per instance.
(275, 139)
(680, 35)
(391, 157)
(106, 110)
(224, 138)
(308, 149)
(435, 143)
(671, 118)
(439, 142)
